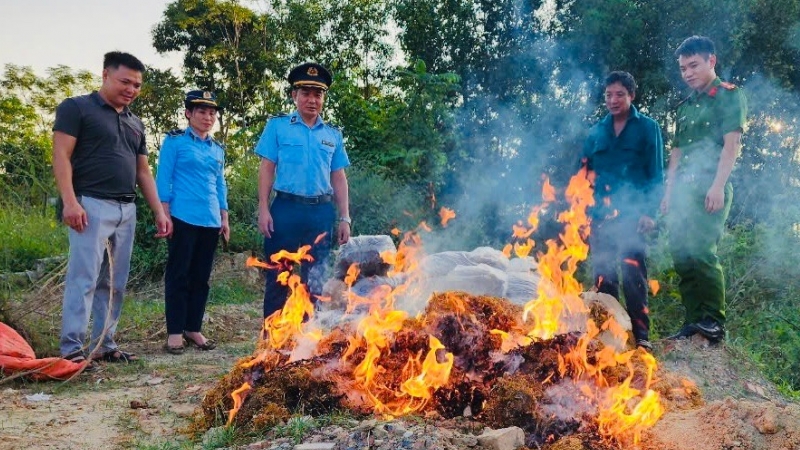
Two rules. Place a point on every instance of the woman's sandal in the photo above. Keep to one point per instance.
(208, 345)
(174, 350)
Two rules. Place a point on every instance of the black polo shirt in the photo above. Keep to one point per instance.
(108, 144)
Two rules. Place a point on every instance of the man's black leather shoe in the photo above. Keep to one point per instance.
(711, 329)
(687, 330)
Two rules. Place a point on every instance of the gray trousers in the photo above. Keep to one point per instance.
(89, 280)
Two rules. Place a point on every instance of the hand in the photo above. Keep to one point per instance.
(74, 216)
(163, 225)
(715, 199)
(265, 225)
(665, 205)
(225, 229)
(343, 232)
(646, 225)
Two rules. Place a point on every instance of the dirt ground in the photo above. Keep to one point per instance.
(145, 405)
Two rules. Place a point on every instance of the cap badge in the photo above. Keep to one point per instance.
(312, 71)
(206, 94)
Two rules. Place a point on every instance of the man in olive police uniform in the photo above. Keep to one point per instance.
(626, 152)
(698, 194)
(303, 161)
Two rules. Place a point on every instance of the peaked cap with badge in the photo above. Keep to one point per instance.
(310, 75)
(201, 98)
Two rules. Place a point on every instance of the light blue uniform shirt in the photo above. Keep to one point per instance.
(191, 178)
(304, 156)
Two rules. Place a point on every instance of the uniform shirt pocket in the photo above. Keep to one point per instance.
(291, 152)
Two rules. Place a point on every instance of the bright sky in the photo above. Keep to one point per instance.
(76, 33)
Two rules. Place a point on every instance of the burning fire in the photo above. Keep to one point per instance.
(625, 408)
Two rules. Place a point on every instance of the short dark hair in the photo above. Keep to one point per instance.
(696, 45)
(623, 78)
(116, 59)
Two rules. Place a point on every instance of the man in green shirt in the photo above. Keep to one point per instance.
(698, 196)
(626, 153)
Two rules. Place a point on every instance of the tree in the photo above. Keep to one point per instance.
(160, 103)
(27, 107)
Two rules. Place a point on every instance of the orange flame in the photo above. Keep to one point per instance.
(654, 286)
(521, 232)
(558, 291)
(446, 214)
(631, 262)
(238, 399)
(523, 250)
(510, 341)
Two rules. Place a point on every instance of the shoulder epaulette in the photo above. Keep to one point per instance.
(175, 132)
(275, 116)
(218, 143)
(335, 126)
(728, 86)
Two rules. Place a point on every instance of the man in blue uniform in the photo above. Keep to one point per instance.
(626, 152)
(698, 195)
(303, 161)
(191, 185)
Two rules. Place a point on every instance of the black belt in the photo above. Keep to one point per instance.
(129, 198)
(315, 200)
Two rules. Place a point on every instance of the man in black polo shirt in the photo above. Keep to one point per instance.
(99, 155)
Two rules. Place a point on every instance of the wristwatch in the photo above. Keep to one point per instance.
(346, 219)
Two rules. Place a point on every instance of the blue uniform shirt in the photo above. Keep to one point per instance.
(191, 179)
(304, 156)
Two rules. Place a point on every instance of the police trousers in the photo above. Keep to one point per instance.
(694, 235)
(297, 224)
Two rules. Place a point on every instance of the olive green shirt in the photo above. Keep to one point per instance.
(703, 120)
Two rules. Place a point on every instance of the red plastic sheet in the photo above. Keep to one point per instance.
(16, 356)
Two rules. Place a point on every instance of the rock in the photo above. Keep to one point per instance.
(367, 425)
(766, 422)
(379, 432)
(510, 438)
(153, 381)
(464, 441)
(138, 404)
(316, 446)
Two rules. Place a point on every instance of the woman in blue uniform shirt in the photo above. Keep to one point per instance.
(192, 189)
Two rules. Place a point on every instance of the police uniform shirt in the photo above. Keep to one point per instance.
(304, 156)
(191, 178)
(705, 118)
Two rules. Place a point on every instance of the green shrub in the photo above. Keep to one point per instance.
(28, 234)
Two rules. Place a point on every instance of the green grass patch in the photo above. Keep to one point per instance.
(28, 234)
(232, 291)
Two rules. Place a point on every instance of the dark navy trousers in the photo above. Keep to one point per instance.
(616, 246)
(191, 257)
(297, 224)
